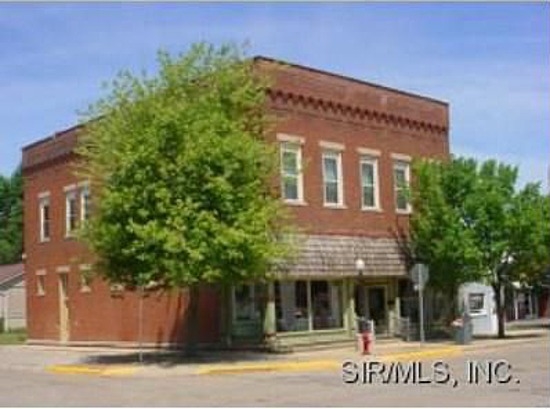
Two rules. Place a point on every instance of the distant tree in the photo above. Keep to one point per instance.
(182, 179)
(471, 224)
(11, 218)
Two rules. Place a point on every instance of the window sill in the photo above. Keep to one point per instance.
(334, 206)
(70, 237)
(372, 209)
(403, 212)
(478, 314)
(294, 202)
(41, 241)
(85, 290)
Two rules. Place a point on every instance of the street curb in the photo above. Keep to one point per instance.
(91, 370)
(326, 364)
(285, 366)
(421, 354)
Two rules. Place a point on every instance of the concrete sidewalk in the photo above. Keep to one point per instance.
(118, 362)
(223, 363)
(391, 350)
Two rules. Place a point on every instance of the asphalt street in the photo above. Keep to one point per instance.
(521, 377)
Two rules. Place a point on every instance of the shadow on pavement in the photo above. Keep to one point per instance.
(543, 323)
(166, 358)
(514, 335)
(172, 358)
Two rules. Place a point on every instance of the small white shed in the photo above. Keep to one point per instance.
(12, 297)
(478, 300)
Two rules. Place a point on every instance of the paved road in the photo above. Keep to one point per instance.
(529, 386)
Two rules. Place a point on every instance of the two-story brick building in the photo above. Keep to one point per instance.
(346, 148)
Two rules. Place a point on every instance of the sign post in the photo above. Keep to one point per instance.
(420, 275)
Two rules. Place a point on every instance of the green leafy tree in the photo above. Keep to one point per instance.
(472, 224)
(11, 218)
(439, 236)
(182, 179)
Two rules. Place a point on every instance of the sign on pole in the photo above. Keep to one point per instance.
(420, 275)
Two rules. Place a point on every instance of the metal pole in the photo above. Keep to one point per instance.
(140, 325)
(515, 296)
(4, 312)
(421, 311)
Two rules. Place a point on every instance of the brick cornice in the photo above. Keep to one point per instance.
(342, 110)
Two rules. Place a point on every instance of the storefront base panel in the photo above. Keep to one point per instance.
(152, 346)
(313, 340)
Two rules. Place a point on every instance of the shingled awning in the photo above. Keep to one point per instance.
(323, 255)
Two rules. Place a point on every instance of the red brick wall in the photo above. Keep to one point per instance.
(316, 218)
(98, 315)
(324, 107)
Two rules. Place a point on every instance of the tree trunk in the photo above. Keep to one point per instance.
(501, 309)
(450, 308)
(192, 323)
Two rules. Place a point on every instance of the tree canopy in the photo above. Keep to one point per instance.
(471, 223)
(11, 218)
(181, 177)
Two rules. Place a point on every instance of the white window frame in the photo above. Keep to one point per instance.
(85, 278)
(84, 192)
(116, 288)
(337, 154)
(370, 160)
(406, 166)
(295, 148)
(70, 194)
(41, 283)
(43, 202)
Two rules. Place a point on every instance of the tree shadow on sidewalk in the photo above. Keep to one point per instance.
(171, 358)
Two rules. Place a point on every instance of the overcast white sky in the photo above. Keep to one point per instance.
(489, 61)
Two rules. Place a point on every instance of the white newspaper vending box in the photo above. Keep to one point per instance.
(478, 300)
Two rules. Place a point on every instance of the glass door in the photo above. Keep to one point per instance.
(377, 308)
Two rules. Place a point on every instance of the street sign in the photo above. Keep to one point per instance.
(420, 275)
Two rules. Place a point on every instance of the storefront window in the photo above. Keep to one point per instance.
(291, 302)
(326, 301)
(247, 302)
(308, 305)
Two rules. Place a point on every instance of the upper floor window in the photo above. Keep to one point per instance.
(71, 213)
(45, 217)
(369, 182)
(291, 172)
(85, 203)
(332, 178)
(401, 178)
